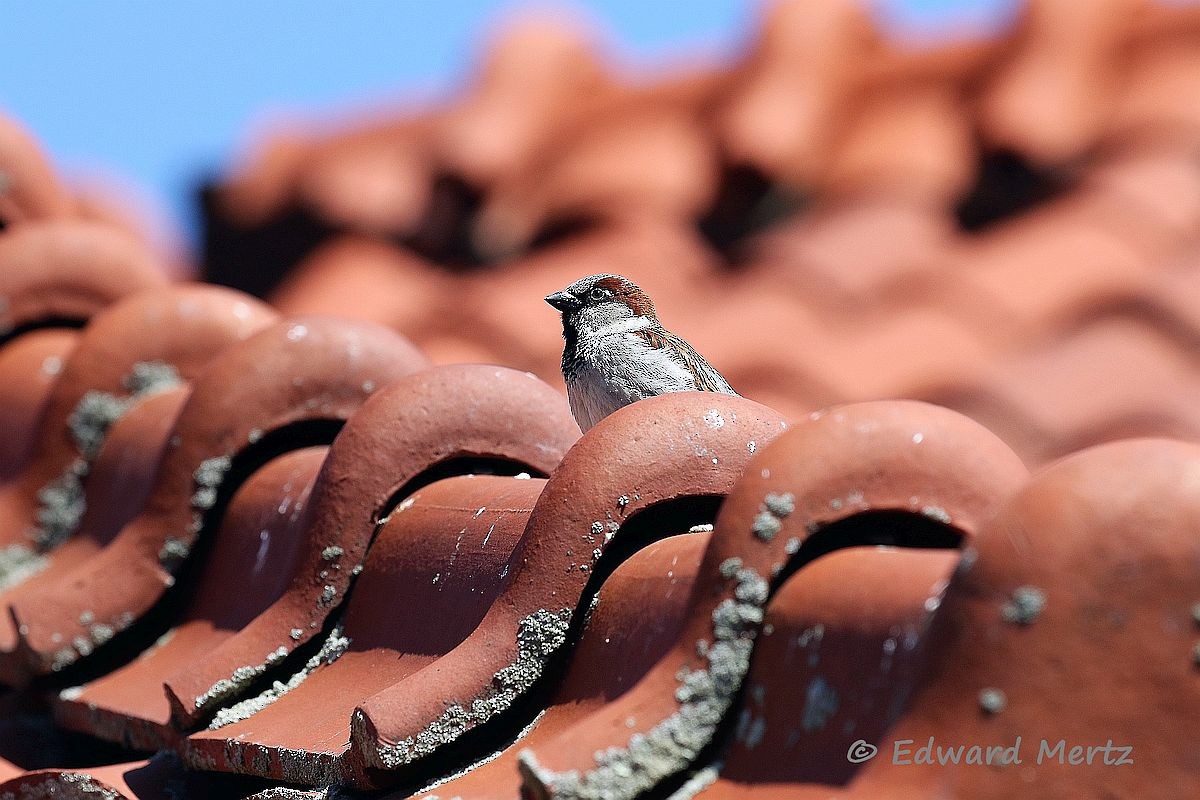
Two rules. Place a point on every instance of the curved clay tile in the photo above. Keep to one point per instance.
(150, 342)
(162, 777)
(438, 563)
(1150, 194)
(362, 278)
(895, 456)
(1054, 634)
(374, 179)
(854, 251)
(307, 370)
(119, 481)
(645, 154)
(458, 419)
(265, 180)
(259, 542)
(29, 189)
(678, 451)
(29, 366)
(785, 113)
(78, 487)
(53, 275)
(1029, 278)
(1160, 98)
(843, 645)
(1051, 97)
(618, 645)
(914, 141)
(1170, 303)
(538, 73)
(1055, 399)
(64, 271)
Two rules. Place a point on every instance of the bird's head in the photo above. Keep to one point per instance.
(598, 301)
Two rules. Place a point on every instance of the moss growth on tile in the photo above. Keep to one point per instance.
(61, 502)
(61, 505)
(238, 682)
(820, 703)
(766, 526)
(992, 701)
(780, 504)
(151, 377)
(208, 477)
(18, 562)
(704, 696)
(700, 781)
(331, 650)
(769, 520)
(539, 635)
(1025, 605)
(77, 784)
(173, 553)
(938, 513)
(91, 419)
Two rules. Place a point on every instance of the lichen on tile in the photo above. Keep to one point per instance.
(1025, 605)
(704, 696)
(18, 562)
(62, 502)
(331, 650)
(539, 635)
(240, 680)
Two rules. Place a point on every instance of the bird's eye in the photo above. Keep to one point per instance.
(599, 293)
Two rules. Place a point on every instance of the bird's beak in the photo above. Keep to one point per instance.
(563, 301)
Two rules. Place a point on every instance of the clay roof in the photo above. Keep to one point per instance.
(345, 533)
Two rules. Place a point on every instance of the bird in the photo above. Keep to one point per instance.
(616, 352)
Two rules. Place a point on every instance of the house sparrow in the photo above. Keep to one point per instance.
(617, 352)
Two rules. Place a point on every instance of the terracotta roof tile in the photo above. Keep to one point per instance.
(29, 187)
(1004, 222)
(29, 367)
(444, 552)
(536, 76)
(700, 444)
(129, 705)
(851, 460)
(305, 370)
(345, 516)
(618, 645)
(844, 642)
(1111, 656)
(60, 272)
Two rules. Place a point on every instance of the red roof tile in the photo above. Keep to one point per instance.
(1004, 223)
(29, 188)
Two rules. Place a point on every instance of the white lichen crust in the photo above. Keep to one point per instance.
(241, 678)
(61, 502)
(774, 509)
(1025, 605)
(539, 635)
(331, 650)
(18, 562)
(696, 784)
(704, 696)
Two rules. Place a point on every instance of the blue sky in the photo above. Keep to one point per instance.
(158, 95)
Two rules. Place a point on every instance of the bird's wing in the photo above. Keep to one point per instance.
(705, 377)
